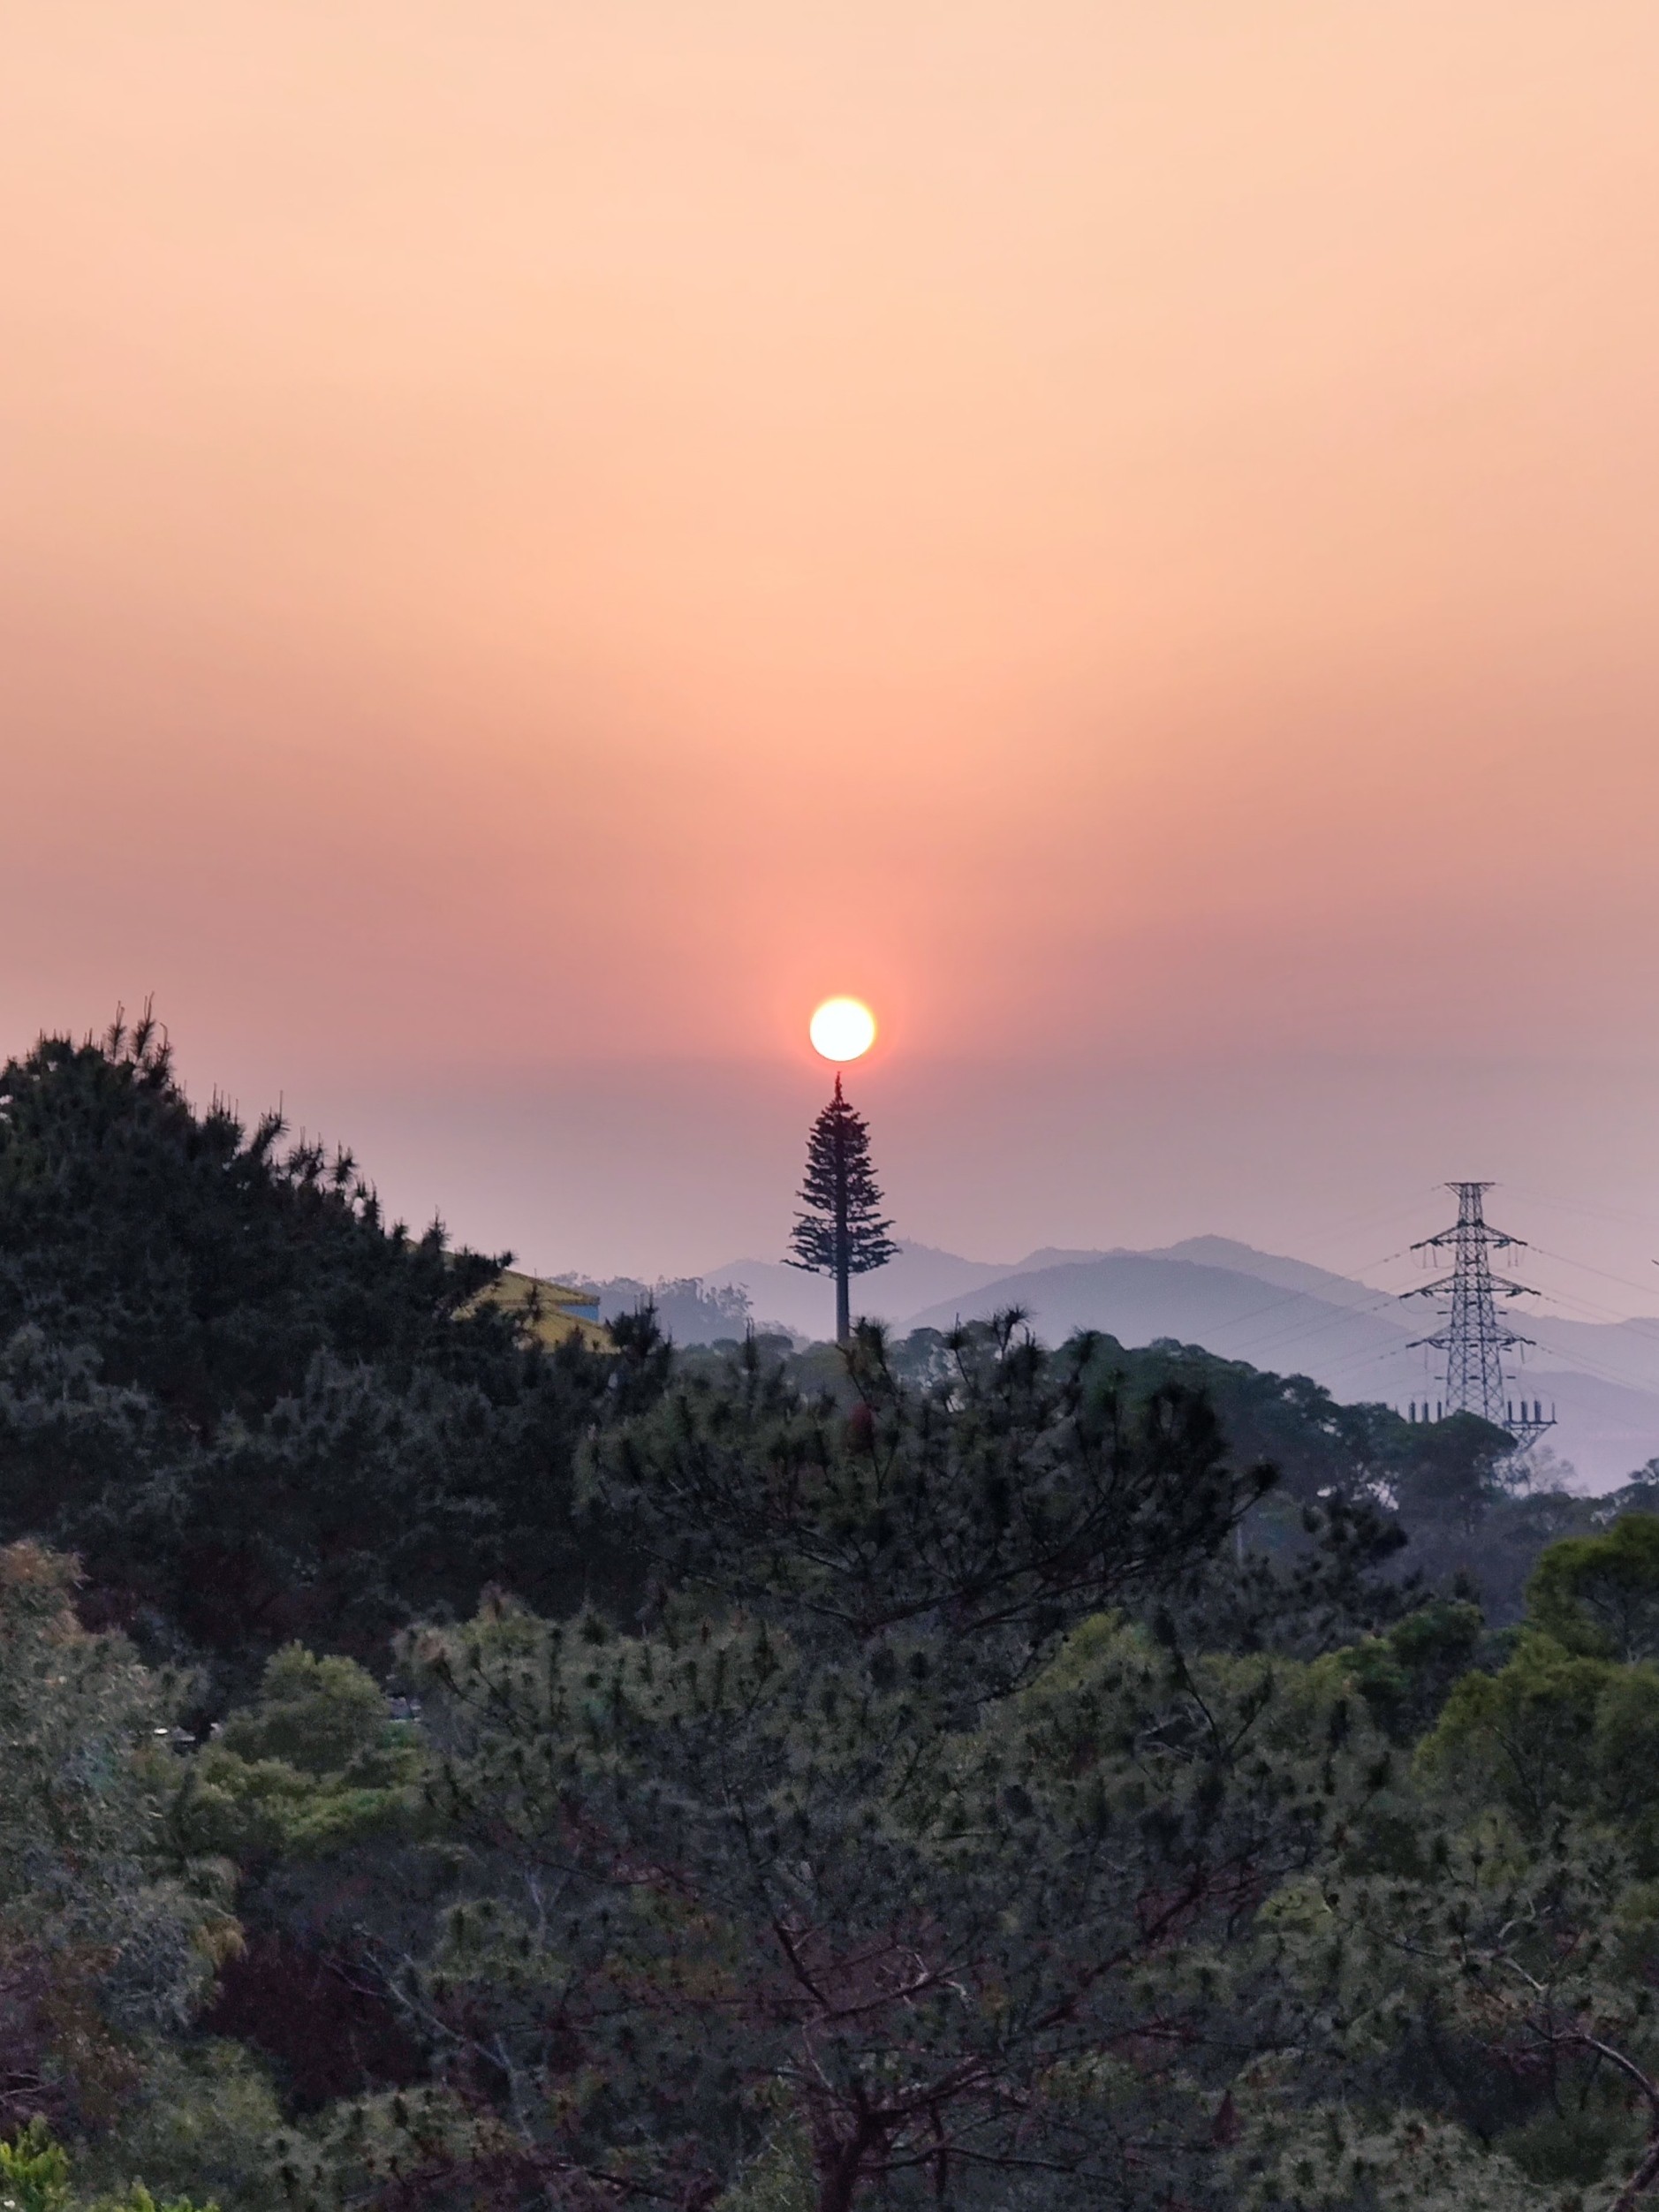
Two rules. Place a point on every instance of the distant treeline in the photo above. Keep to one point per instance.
(687, 1308)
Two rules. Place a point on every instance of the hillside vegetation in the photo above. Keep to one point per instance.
(449, 1769)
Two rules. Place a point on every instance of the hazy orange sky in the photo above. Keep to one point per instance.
(539, 540)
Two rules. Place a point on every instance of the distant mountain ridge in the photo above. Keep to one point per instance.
(1269, 1267)
(1139, 1297)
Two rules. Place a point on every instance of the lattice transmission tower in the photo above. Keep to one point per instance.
(1475, 1341)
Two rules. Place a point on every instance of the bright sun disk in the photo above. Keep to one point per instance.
(842, 1028)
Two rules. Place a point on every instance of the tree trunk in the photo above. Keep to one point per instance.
(840, 2174)
(844, 1304)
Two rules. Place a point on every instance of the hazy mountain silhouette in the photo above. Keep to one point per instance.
(1141, 1296)
(1269, 1267)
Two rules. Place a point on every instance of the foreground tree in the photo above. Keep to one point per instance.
(733, 1894)
(841, 1233)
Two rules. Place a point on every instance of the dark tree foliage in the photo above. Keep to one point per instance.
(1315, 1443)
(1367, 1500)
(841, 1232)
(1323, 1557)
(1022, 1491)
(254, 1406)
(206, 1265)
(1451, 1471)
(1332, 1579)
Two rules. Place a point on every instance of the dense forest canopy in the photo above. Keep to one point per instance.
(447, 1771)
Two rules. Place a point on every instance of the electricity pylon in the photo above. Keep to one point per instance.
(1475, 1340)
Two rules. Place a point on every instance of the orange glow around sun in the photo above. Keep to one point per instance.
(842, 1029)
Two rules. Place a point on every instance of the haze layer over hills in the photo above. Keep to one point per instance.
(1272, 1311)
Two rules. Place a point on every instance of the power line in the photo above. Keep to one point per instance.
(1625, 1281)
(1622, 1217)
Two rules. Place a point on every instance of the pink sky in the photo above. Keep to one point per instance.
(539, 540)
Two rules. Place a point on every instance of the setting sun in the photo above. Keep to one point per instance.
(842, 1029)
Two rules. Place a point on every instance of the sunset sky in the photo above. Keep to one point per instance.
(539, 540)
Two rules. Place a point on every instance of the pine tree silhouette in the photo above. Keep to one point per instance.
(841, 1232)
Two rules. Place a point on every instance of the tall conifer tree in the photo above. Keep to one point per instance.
(841, 1232)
